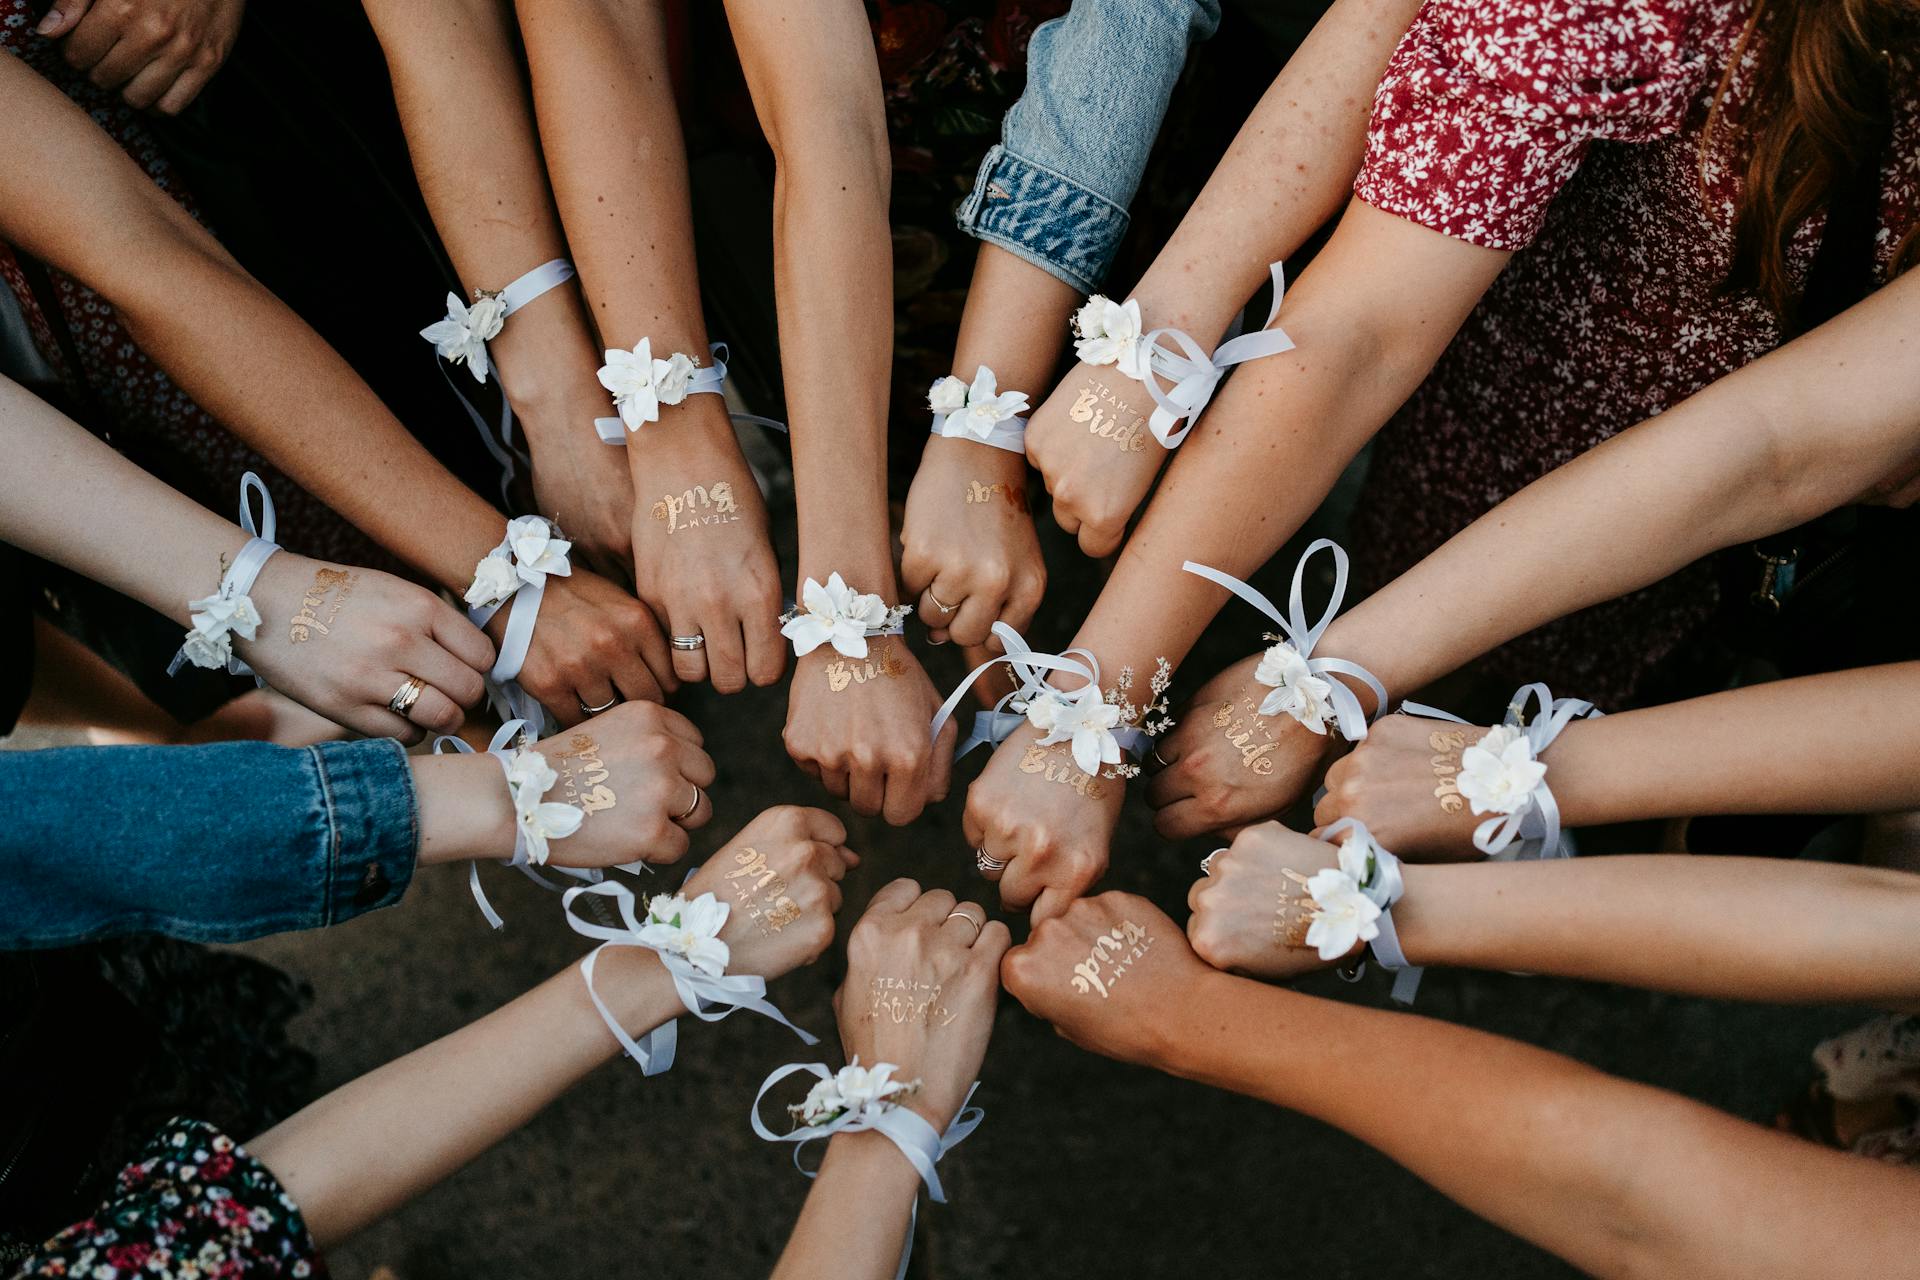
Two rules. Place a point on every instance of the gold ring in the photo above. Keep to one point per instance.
(978, 925)
(403, 699)
(934, 600)
(682, 817)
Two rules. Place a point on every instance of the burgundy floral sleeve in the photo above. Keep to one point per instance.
(1488, 106)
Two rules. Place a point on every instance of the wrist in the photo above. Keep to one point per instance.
(1177, 1043)
(867, 571)
(465, 811)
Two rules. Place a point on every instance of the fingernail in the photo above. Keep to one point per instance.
(51, 23)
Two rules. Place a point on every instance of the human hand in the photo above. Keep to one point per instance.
(638, 773)
(1111, 973)
(860, 726)
(1228, 765)
(1251, 910)
(592, 641)
(969, 542)
(920, 992)
(1091, 444)
(583, 485)
(158, 53)
(780, 877)
(1399, 782)
(703, 559)
(1052, 824)
(343, 641)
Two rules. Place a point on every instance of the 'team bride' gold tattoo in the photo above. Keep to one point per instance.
(1114, 953)
(583, 775)
(881, 660)
(903, 1000)
(762, 893)
(1131, 438)
(338, 583)
(1056, 764)
(1293, 913)
(699, 505)
(1447, 745)
(1012, 494)
(1248, 733)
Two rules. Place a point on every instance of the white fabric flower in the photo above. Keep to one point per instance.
(219, 613)
(835, 614)
(853, 1088)
(1108, 332)
(1345, 916)
(640, 384)
(1296, 690)
(948, 395)
(462, 337)
(1498, 773)
(986, 407)
(689, 929)
(672, 377)
(493, 580)
(536, 551)
(540, 820)
(1082, 717)
(210, 650)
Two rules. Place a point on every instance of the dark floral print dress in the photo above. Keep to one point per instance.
(194, 1206)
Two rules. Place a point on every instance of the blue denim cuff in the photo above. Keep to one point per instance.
(1045, 218)
(373, 824)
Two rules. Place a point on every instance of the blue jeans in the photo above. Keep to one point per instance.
(1055, 190)
(211, 844)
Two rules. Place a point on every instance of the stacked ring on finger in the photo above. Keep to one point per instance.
(987, 863)
(688, 644)
(961, 913)
(403, 699)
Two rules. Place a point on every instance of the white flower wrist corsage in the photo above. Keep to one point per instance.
(1100, 726)
(1502, 774)
(230, 611)
(537, 821)
(1302, 685)
(838, 615)
(1353, 903)
(685, 934)
(979, 412)
(857, 1099)
(642, 385)
(1110, 333)
(531, 552)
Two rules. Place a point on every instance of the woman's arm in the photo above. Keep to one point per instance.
(1617, 1178)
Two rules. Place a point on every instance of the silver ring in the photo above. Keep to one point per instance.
(1159, 759)
(934, 600)
(987, 862)
(682, 817)
(978, 925)
(614, 701)
(1206, 863)
(688, 644)
(403, 699)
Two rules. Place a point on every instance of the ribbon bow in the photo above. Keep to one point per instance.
(906, 1129)
(1352, 720)
(1536, 823)
(705, 996)
(504, 693)
(1194, 374)
(1385, 888)
(1029, 668)
(239, 578)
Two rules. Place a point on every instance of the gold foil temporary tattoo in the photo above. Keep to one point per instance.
(1447, 745)
(1109, 418)
(699, 505)
(1248, 733)
(583, 775)
(882, 661)
(1293, 913)
(1056, 764)
(904, 1000)
(1012, 494)
(330, 591)
(761, 892)
(1114, 952)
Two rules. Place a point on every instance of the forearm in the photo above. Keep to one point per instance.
(1619, 1179)
(1290, 168)
(856, 1217)
(71, 499)
(1733, 928)
(1748, 751)
(368, 1147)
(1015, 322)
(1805, 429)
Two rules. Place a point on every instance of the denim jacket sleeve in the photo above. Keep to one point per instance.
(216, 843)
(1055, 190)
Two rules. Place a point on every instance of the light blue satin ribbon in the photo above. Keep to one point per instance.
(708, 379)
(706, 997)
(1346, 707)
(1387, 887)
(1009, 434)
(1195, 375)
(1536, 824)
(239, 578)
(906, 1129)
(1029, 666)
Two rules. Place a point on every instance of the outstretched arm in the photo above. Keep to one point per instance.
(1617, 1178)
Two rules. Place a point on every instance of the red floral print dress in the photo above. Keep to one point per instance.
(1570, 132)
